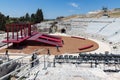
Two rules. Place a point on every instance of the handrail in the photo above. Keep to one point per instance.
(28, 71)
(18, 69)
(16, 59)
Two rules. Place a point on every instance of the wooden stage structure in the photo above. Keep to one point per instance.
(19, 33)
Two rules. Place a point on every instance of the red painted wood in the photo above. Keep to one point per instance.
(86, 47)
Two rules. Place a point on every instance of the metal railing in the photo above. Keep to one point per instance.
(23, 66)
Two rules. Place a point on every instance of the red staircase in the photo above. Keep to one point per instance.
(47, 39)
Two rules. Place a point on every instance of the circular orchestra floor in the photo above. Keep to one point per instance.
(71, 45)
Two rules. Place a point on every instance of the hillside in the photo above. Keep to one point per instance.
(114, 13)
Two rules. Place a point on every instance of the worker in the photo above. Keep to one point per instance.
(57, 48)
(7, 55)
(48, 51)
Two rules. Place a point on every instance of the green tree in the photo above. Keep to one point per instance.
(33, 18)
(7, 19)
(22, 19)
(38, 16)
(27, 17)
(2, 21)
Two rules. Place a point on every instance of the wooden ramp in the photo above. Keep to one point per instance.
(47, 39)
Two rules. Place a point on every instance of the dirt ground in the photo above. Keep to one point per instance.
(70, 45)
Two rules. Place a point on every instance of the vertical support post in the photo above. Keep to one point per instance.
(54, 62)
(21, 30)
(91, 64)
(29, 29)
(96, 63)
(24, 30)
(13, 25)
(17, 31)
(44, 63)
(7, 33)
(7, 29)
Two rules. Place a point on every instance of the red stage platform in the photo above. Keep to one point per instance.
(24, 33)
